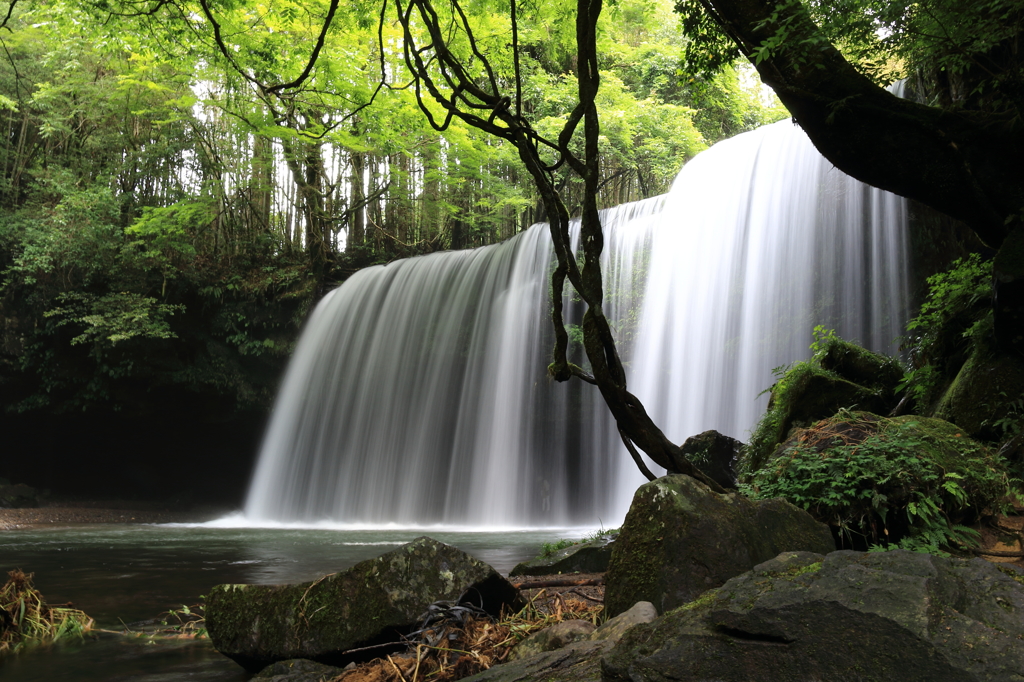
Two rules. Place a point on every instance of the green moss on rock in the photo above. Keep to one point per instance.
(876, 480)
(805, 394)
(375, 601)
(985, 399)
(844, 616)
(679, 540)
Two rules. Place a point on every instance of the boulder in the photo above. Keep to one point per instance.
(804, 617)
(861, 473)
(613, 628)
(861, 366)
(297, 670)
(376, 601)
(585, 557)
(576, 661)
(714, 454)
(805, 394)
(680, 539)
(986, 396)
(553, 637)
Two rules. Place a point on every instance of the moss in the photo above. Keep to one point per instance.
(985, 398)
(804, 394)
(886, 480)
(859, 365)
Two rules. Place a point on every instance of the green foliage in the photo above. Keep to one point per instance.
(549, 548)
(28, 619)
(955, 316)
(823, 337)
(908, 482)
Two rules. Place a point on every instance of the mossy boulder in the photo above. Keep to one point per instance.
(879, 480)
(374, 602)
(803, 395)
(680, 539)
(714, 454)
(584, 557)
(986, 395)
(860, 366)
(845, 616)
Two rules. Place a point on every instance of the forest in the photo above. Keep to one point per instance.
(166, 223)
(181, 182)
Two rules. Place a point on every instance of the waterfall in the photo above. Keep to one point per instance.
(418, 391)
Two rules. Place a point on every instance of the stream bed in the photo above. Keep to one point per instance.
(123, 574)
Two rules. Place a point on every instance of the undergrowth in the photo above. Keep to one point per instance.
(549, 548)
(26, 618)
(908, 482)
(956, 314)
(460, 642)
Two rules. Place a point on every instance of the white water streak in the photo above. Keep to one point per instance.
(418, 391)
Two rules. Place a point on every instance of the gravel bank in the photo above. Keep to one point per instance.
(77, 512)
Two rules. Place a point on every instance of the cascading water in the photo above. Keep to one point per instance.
(418, 392)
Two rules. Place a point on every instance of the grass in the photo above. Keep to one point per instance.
(549, 548)
(26, 618)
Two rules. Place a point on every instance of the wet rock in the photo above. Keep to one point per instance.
(714, 454)
(613, 629)
(680, 539)
(374, 602)
(577, 661)
(297, 670)
(553, 637)
(585, 557)
(845, 616)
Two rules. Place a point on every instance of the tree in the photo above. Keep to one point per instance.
(451, 72)
(960, 152)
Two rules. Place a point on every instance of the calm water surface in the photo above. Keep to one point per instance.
(128, 573)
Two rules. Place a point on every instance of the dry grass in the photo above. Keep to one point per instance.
(462, 644)
(26, 618)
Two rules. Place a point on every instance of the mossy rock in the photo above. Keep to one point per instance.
(861, 366)
(805, 394)
(680, 539)
(869, 476)
(714, 454)
(986, 395)
(376, 601)
(583, 557)
(845, 616)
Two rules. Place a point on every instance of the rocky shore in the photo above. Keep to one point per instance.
(65, 512)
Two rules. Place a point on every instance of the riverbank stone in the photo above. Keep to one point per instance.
(560, 659)
(374, 602)
(584, 557)
(680, 539)
(845, 616)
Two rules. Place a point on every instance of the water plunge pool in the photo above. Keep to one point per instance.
(122, 574)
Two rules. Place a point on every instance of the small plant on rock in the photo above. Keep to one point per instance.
(909, 482)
